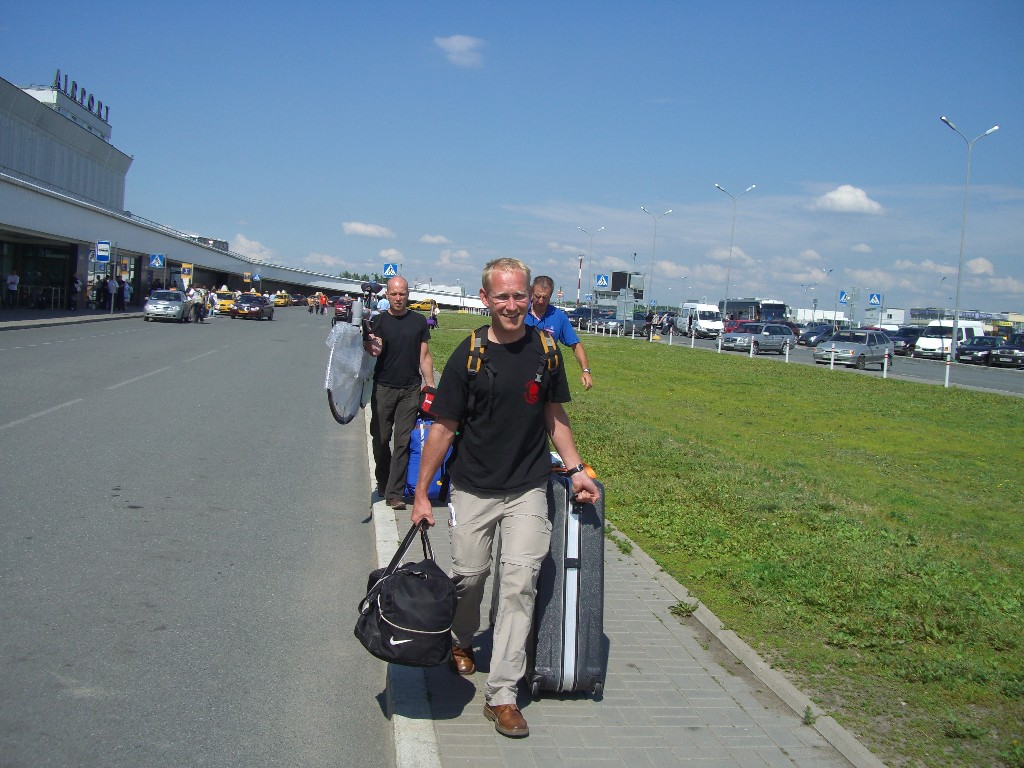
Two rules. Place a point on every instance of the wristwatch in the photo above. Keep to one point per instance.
(574, 470)
(586, 370)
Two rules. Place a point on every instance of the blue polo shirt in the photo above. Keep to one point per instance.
(556, 323)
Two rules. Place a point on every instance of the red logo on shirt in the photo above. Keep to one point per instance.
(531, 394)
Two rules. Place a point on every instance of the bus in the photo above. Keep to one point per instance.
(754, 309)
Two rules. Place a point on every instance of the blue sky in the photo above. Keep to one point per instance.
(440, 135)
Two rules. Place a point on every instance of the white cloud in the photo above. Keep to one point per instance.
(366, 230)
(809, 254)
(390, 254)
(980, 266)
(461, 50)
(861, 248)
(563, 248)
(322, 260)
(721, 253)
(435, 240)
(847, 199)
(251, 248)
(456, 259)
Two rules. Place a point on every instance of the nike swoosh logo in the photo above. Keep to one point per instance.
(399, 642)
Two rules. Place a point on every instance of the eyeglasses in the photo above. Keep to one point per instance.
(504, 298)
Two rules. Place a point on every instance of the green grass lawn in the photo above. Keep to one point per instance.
(863, 535)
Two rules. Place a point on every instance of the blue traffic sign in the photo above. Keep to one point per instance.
(390, 270)
(875, 299)
(103, 251)
(257, 277)
(602, 281)
(156, 261)
(844, 297)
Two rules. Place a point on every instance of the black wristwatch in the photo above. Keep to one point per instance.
(574, 470)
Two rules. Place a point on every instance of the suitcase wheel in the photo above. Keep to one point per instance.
(535, 689)
(598, 689)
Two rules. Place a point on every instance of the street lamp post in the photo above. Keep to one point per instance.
(963, 229)
(732, 239)
(590, 268)
(654, 245)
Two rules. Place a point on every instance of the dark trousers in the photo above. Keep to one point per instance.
(394, 414)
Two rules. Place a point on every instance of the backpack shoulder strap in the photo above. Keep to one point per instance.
(475, 362)
(550, 350)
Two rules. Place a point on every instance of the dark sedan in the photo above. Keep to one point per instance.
(1009, 354)
(253, 307)
(904, 339)
(977, 349)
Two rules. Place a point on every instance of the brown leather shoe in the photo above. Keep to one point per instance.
(396, 503)
(462, 661)
(508, 720)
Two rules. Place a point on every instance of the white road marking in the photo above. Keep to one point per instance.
(41, 413)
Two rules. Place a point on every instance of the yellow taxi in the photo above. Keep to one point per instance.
(224, 300)
(423, 306)
(282, 300)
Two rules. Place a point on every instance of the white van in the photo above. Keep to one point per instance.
(934, 342)
(703, 319)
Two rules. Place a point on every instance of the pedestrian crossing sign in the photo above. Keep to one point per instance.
(602, 281)
(156, 261)
(390, 270)
(844, 297)
(875, 299)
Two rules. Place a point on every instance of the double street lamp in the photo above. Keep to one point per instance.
(732, 239)
(654, 245)
(963, 230)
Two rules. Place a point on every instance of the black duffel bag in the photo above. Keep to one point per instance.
(406, 616)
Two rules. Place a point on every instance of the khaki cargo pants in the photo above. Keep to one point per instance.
(525, 537)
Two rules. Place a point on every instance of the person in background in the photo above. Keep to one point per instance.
(499, 477)
(556, 323)
(400, 340)
(12, 282)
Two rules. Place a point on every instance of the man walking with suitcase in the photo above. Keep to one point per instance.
(505, 400)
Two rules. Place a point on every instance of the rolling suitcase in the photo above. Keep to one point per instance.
(569, 650)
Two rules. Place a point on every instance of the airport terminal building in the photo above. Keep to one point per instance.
(62, 192)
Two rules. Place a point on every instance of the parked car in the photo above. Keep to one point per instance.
(421, 306)
(977, 350)
(253, 306)
(167, 305)
(812, 333)
(903, 340)
(282, 300)
(298, 300)
(342, 310)
(856, 349)
(759, 337)
(224, 301)
(1009, 354)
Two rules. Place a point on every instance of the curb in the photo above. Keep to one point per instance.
(49, 322)
(406, 688)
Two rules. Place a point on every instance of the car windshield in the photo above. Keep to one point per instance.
(225, 295)
(250, 300)
(851, 338)
(167, 296)
(938, 332)
(707, 315)
(751, 328)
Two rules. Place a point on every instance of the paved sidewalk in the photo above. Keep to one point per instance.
(15, 319)
(678, 692)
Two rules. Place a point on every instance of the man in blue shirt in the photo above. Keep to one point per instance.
(555, 322)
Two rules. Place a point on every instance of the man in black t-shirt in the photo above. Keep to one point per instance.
(399, 339)
(499, 476)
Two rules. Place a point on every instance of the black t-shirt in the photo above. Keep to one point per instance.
(398, 364)
(503, 447)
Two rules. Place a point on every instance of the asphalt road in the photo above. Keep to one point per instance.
(1003, 381)
(184, 537)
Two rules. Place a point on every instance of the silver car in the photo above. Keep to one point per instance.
(168, 305)
(856, 349)
(760, 337)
